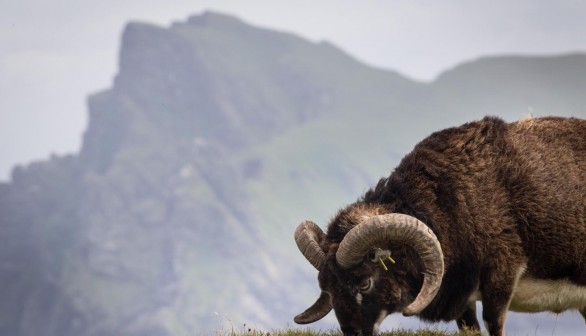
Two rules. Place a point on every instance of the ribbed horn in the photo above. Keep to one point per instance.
(378, 231)
(317, 311)
(307, 236)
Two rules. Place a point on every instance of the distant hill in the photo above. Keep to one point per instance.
(512, 84)
(215, 141)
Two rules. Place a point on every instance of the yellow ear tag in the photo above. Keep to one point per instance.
(383, 263)
(391, 259)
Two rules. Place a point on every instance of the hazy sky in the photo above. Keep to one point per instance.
(54, 53)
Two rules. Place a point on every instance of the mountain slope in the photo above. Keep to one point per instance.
(516, 84)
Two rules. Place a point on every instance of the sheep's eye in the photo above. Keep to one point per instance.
(366, 285)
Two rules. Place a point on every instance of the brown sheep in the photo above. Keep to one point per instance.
(486, 211)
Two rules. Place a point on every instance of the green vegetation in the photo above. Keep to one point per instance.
(309, 332)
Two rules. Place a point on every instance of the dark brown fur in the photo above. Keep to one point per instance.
(497, 196)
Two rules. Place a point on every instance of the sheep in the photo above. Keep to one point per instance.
(488, 211)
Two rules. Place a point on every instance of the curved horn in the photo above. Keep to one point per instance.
(307, 236)
(377, 231)
(317, 311)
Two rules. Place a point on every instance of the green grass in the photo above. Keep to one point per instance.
(309, 332)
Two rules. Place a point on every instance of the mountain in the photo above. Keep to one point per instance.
(504, 85)
(216, 139)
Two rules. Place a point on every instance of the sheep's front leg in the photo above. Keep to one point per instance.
(583, 312)
(468, 320)
(497, 289)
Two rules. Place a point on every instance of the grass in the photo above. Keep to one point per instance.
(244, 330)
(309, 332)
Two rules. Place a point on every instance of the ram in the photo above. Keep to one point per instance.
(488, 211)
